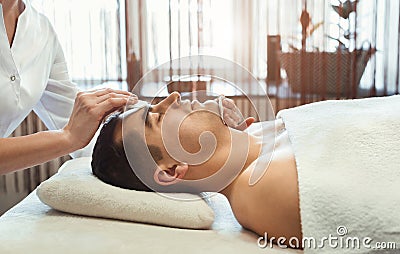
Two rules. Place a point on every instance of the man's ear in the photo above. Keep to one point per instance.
(170, 175)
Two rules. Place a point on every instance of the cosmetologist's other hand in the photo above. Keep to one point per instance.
(233, 117)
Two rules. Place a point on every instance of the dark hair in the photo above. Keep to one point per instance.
(109, 162)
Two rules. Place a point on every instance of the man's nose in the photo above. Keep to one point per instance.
(171, 99)
(163, 105)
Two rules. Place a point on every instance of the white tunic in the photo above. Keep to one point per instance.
(33, 74)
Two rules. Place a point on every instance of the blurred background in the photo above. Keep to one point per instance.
(299, 52)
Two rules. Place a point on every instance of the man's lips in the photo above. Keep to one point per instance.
(194, 104)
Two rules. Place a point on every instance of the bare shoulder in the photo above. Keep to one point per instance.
(272, 204)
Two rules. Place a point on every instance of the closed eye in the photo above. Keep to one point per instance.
(159, 117)
(147, 119)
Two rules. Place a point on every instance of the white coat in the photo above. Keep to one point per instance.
(33, 74)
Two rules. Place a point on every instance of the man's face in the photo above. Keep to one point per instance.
(188, 135)
(173, 120)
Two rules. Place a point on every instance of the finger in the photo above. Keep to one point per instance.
(109, 106)
(132, 100)
(229, 106)
(233, 116)
(242, 126)
(246, 123)
(104, 91)
(122, 92)
(113, 111)
(92, 90)
(221, 96)
(228, 103)
(230, 122)
(97, 91)
(235, 113)
(107, 96)
(249, 121)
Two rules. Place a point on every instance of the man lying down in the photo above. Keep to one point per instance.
(169, 148)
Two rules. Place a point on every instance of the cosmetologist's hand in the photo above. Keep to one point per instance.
(90, 109)
(233, 117)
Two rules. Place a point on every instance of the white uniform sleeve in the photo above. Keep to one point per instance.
(57, 101)
(56, 104)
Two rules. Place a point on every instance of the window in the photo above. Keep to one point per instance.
(181, 28)
(90, 34)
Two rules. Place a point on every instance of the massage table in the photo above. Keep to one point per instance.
(347, 158)
(33, 227)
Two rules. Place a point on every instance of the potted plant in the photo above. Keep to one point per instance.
(335, 73)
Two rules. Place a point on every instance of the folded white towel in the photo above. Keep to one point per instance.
(348, 161)
(74, 189)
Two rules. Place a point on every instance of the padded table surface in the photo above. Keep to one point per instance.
(33, 227)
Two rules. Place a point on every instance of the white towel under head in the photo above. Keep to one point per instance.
(74, 189)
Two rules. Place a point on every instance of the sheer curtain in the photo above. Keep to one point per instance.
(92, 36)
(163, 30)
(233, 29)
(238, 30)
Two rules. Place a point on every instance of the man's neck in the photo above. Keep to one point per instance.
(254, 151)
